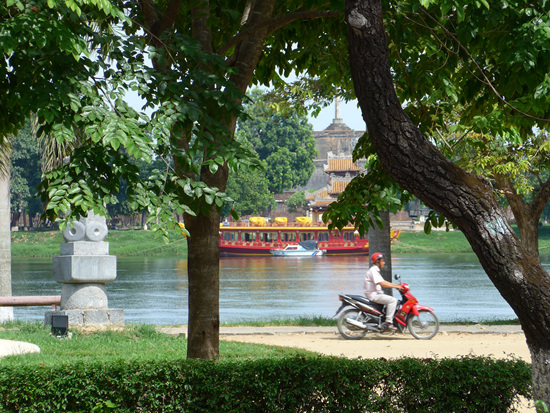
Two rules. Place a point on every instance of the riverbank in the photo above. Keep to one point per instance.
(144, 243)
(122, 243)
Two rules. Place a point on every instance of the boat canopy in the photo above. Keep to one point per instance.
(309, 245)
(257, 221)
(304, 221)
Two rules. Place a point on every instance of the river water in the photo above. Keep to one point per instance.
(153, 290)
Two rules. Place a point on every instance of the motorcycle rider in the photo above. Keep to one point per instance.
(373, 289)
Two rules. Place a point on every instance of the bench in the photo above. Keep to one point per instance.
(30, 300)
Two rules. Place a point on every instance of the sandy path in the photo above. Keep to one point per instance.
(398, 345)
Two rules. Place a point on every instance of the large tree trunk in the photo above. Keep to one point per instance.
(380, 241)
(6, 313)
(465, 199)
(204, 285)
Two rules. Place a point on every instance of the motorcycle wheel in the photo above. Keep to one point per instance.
(349, 331)
(424, 326)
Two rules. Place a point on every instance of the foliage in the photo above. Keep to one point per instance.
(485, 103)
(183, 193)
(283, 140)
(297, 202)
(366, 195)
(89, 105)
(479, 103)
(250, 192)
(25, 172)
(492, 72)
(298, 383)
(249, 189)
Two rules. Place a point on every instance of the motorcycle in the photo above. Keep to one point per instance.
(365, 316)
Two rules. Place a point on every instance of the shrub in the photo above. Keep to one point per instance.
(291, 384)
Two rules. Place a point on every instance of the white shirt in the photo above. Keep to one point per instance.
(371, 285)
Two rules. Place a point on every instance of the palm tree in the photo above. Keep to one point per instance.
(6, 313)
(52, 156)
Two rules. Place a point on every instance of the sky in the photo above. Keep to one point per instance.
(349, 112)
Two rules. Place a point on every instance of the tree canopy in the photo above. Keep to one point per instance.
(249, 190)
(284, 140)
(71, 63)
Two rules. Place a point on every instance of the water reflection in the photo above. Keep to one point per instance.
(154, 289)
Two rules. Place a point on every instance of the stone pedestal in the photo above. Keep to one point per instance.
(84, 267)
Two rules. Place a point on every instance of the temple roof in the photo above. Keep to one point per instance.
(338, 187)
(341, 165)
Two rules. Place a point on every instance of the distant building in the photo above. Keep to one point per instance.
(334, 168)
(340, 170)
(337, 138)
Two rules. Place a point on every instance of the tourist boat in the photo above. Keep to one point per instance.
(303, 249)
(257, 237)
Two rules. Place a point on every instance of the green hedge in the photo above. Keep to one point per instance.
(297, 384)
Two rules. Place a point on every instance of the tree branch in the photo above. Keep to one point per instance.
(274, 24)
(481, 71)
(199, 26)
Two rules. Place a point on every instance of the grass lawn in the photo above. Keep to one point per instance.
(132, 343)
(451, 242)
(121, 243)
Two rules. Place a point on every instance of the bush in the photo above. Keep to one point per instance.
(292, 384)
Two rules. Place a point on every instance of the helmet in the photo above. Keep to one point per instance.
(376, 256)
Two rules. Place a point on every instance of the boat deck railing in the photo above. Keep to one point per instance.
(271, 225)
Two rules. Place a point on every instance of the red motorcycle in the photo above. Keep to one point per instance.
(364, 316)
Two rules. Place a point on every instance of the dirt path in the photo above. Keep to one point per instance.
(398, 345)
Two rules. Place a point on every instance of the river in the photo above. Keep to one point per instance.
(153, 290)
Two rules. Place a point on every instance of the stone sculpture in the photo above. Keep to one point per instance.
(84, 267)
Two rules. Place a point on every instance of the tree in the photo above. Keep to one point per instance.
(250, 192)
(25, 174)
(204, 55)
(6, 313)
(465, 199)
(518, 170)
(284, 140)
(253, 38)
(297, 202)
(380, 241)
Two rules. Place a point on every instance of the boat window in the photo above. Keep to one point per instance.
(249, 236)
(322, 236)
(305, 236)
(349, 236)
(288, 237)
(268, 237)
(230, 235)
